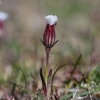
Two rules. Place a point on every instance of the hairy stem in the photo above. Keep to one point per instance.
(47, 58)
(47, 71)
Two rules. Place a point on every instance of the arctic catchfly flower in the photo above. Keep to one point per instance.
(49, 34)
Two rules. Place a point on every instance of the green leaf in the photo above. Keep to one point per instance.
(77, 62)
(55, 74)
(83, 94)
(40, 97)
(96, 74)
(66, 96)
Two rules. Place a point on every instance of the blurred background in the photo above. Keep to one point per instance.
(78, 32)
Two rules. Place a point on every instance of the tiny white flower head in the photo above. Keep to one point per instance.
(3, 16)
(50, 19)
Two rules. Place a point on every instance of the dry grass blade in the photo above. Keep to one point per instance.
(5, 93)
(15, 93)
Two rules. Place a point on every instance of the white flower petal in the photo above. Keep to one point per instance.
(50, 19)
(3, 16)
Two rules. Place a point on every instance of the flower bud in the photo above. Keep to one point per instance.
(3, 17)
(49, 34)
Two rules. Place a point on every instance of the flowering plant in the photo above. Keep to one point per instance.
(3, 17)
(49, 91)
(48, 42)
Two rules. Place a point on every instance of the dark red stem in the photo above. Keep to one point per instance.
(47, 56)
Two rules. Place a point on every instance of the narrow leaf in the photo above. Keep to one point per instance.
(40, 97)
(24, 78)
(50, 73)
(15, 93)
(55, 74)
(43, 82)
(77, 62)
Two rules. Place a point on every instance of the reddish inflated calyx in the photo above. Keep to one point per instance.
(49, 34)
